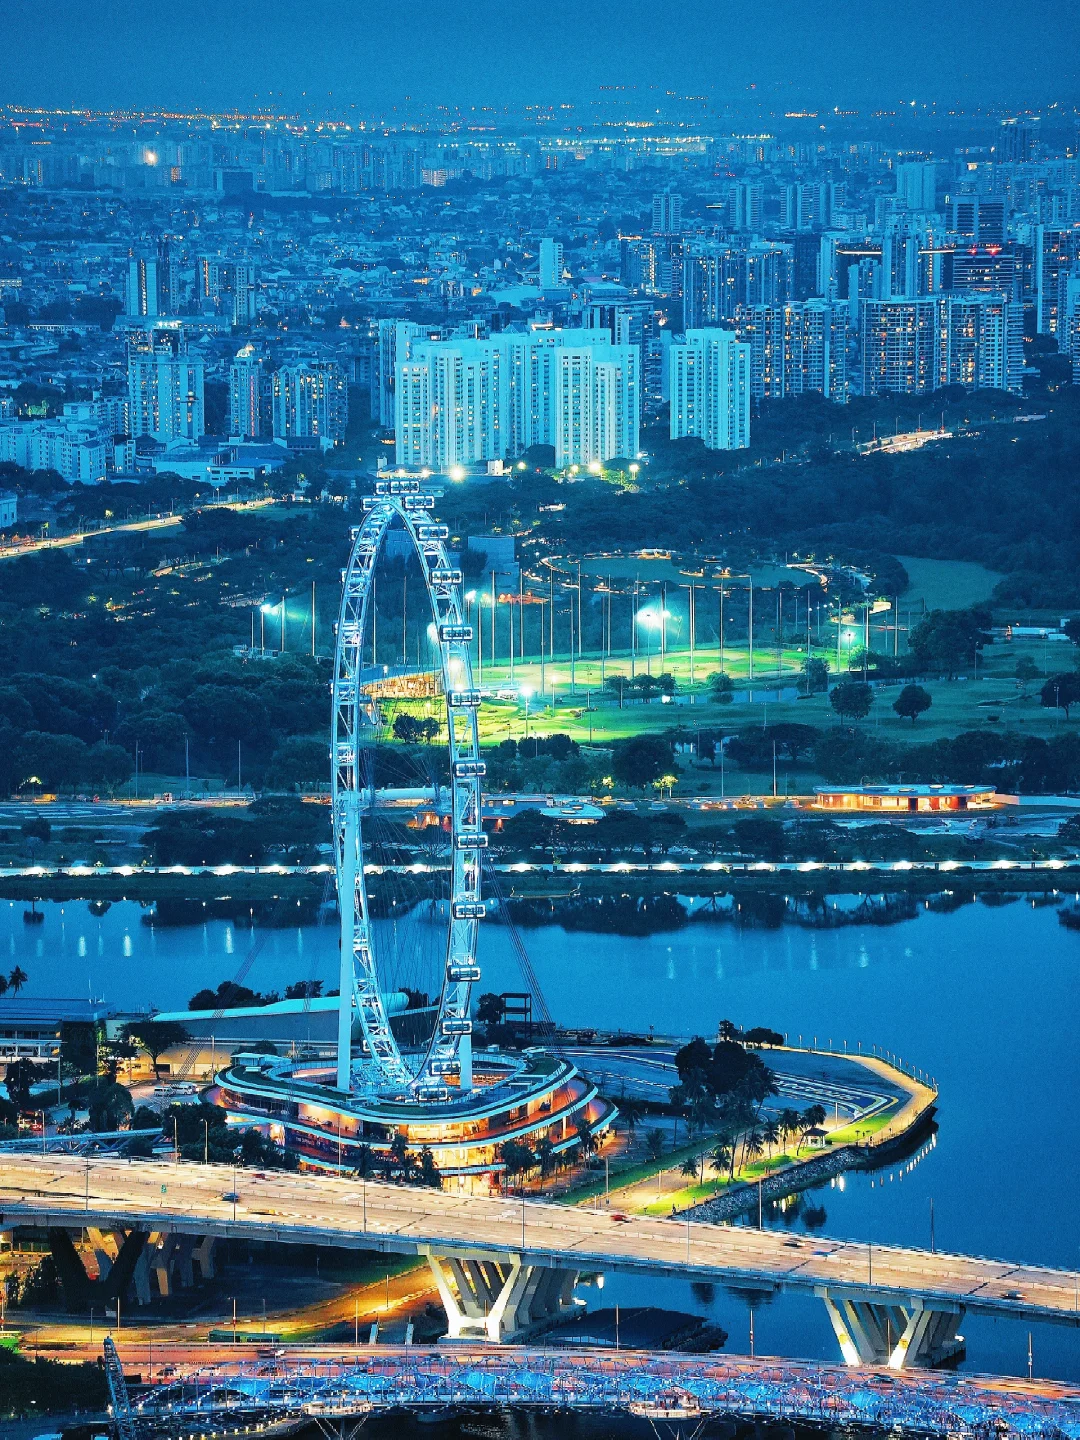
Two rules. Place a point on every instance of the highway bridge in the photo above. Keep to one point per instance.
(506, 1267)
(211, 1399)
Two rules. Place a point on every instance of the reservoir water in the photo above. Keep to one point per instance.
(984, 998)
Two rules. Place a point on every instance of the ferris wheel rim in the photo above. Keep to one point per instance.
(439, 1058)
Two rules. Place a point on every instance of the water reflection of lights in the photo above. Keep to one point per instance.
(908, 1165)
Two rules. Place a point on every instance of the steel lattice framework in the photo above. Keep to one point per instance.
(653, 1385)
(355, 711)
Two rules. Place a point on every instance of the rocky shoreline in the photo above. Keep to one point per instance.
(743, 1199)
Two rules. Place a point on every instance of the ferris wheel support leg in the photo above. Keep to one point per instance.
(346, 907)
(465, 1063)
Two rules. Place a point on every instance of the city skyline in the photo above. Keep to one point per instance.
(338, 59)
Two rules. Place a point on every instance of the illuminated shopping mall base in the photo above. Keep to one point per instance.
(525, 1096)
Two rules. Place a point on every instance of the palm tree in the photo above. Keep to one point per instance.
(654, 1143)
(788, 1121)
(3, 985)
(770, 1133)
(545, 1154)
(752, 1146)
(720, 1157)
(689, 1168)
(17, 979)
(631, 1111)
(809, 1120)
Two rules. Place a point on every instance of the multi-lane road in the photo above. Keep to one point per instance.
(60, 1191)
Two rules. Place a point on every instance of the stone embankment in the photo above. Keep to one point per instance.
(801, 1176)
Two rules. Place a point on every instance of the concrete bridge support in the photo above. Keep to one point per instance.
(901, 1336)
(132, 1265)
(500, 1298)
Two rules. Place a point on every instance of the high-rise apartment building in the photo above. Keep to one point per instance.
(667, 213)
(808, 206)
(1017, 139)
(713, 284)
(551, 264)
(916, 185)
(1056, 253)
(1069, 319)
(982, 343)
(463, 402)
(746, 204)
(913, 346)
(710, 389)
(899, 344)
(150, 289)
(228, 287)
(310, 404)
(247, 397)
(165, 385)
(980, 218)
(635, 321)
(794, 348)
(769, 274)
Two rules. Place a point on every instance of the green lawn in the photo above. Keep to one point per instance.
(946, 584)
(592, 714)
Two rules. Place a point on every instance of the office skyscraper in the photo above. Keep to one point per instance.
(165, 385)
(551, 264)
(710, 389)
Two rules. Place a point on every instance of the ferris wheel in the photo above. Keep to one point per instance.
(420, 1072)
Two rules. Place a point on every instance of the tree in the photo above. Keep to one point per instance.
(816, 675)
(411, 731)
(721, 688)
(945, 640)
(631, 1111)
(490, 1009)
(851, 699)
(809, 1120)
(110, 1105)
(912, 701)
(720, 1157)
(517, 1158)
(545, 1154)
(642, 760)
(654, 1143)
(429, 1171)
(1061, 691)
(36, 828)
(17, 979)
(20, 1077)
(154, 1037)
(1026, 671)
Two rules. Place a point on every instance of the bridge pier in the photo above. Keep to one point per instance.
(123, 1263)
(499, 1297)
(901, 1336)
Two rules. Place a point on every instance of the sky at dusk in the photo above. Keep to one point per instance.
(371, 53)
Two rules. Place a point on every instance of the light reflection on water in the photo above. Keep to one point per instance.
(982, 998)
